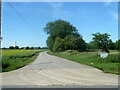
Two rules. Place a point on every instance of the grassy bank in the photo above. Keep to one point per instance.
(14, 59)
(107, 65)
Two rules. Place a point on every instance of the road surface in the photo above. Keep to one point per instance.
(48, 70)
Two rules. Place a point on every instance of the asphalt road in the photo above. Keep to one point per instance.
(49, 70)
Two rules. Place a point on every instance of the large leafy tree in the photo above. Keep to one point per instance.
(65, 33)
(71, 42)
(75, 43)
(50, 42)
(60, 28)
(59, 45)
(102, 41)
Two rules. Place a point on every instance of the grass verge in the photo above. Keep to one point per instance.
(107, 65)
(14, 59)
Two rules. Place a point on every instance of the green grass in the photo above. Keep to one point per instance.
(14, 59)
(113, 50)
(107, 65)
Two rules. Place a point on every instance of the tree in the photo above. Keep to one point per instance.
(38, 47)
(91, 46)
(32, 48)
(117, 45)
(4, 48)
(11, 47)
(81, 45)
(58, 45)
(74, 43)
(102, 41)
(70, 41)
(22, 48)
(27, 47)
(66, 32)
(60, 28)
(44, 48)
(16, 47)
(111, 45)
(50, 42)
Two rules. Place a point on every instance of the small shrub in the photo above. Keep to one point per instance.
(5, 64)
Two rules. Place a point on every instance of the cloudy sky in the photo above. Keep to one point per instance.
(23, 22)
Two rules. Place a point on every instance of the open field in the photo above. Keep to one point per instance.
(107, 65)
(14, 59)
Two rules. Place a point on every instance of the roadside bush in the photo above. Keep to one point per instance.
(5, 63)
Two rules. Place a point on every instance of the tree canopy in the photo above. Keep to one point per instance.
(16, 47)
(117, 45)
(102, 41)
(11, 47)
(63, 36)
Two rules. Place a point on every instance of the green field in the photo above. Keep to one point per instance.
(107, 65)
(14, 59)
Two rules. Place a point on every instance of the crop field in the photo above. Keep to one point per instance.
(107, 65)
(14, 59)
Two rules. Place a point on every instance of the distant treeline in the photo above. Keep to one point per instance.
(64, 36)
(91, 46)
(17, 47)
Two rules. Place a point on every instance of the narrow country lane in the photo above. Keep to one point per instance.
(48, 70)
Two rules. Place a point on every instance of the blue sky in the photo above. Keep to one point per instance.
(88, 18)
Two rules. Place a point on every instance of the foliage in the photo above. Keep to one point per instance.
(69, 38)
(102, 41)
(27, 47)
(16, 47)
(50, 42)
(11, 47)
(111, 45)
(71, 42)
(117, 45)
(38, 47)
(75, 43)
(22, 48)
(32, 48)
(91, 46)
(58, 45)
(60, 28)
